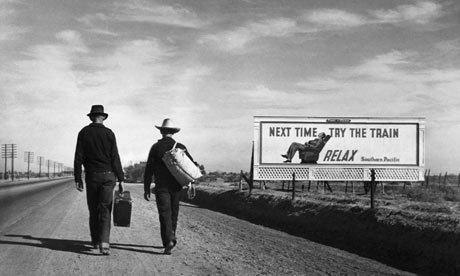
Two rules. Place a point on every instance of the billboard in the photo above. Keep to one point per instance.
(357, 143)
(350, 141)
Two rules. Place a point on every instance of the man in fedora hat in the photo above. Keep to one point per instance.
(167, 189)
(98, 153)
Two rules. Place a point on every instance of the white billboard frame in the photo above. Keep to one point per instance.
(413, 170)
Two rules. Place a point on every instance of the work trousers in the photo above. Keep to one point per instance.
(99, 196)
(306, 154)
(168, 212)
(293, 148)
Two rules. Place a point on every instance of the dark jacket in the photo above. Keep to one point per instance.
(313, 149)
(164, 180)
(97, 151)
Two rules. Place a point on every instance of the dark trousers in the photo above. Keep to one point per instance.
(168, 211)
(99, 196)
(293, 148)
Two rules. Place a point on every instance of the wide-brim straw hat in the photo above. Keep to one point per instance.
(97, 110)
(168, 124)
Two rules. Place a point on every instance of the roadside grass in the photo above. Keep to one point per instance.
(414, 228)
(434, 194)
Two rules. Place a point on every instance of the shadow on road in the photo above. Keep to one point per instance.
(75, 246)
(138, 248)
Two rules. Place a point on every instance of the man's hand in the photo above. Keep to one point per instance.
(191, 192)
(147, 196)
(121, 189)
(79, 186)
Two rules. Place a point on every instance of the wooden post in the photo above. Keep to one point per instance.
(240, 186)
(424, 183)
(282, 187)
(439, 179)
(428, 179)
(251, 171)
(303, 187)
(372, 187)
(309, 182)
(445, 179)
(383, 187)
(326, 185)
(346, 187)
(293, 186)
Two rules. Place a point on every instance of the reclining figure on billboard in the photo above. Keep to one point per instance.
(308, 152)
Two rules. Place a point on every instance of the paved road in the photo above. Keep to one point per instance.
(43, 231)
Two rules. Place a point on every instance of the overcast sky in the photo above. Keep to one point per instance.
(211, 65)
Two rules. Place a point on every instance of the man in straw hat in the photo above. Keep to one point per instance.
(97, 152)
(167, 189)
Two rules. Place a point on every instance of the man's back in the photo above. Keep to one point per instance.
(97, 150)
(163, 178)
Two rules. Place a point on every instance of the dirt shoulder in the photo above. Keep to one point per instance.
(401, 234)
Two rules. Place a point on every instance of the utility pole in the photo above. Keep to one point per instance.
(9, 151)
(28, 157)
(49, 163)
(13, 155)
(5, 155)
(40, 161)
(60, 165)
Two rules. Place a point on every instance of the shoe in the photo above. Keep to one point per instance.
(287, 161)
(284, 156)
(104, 247)
(105, 251)
(169, 247)
(96, 246)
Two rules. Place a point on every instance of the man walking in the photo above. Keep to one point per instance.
(97, 151)
(167, 189)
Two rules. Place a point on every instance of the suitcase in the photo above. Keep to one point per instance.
(122, 209)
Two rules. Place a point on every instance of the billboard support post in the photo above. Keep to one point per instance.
(251, 171)
(326, 186)
(372, 187)
(427, 178)
(250, 179)
(293, 185)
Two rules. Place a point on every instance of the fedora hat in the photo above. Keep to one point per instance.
(168, 125)
(97, 110)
